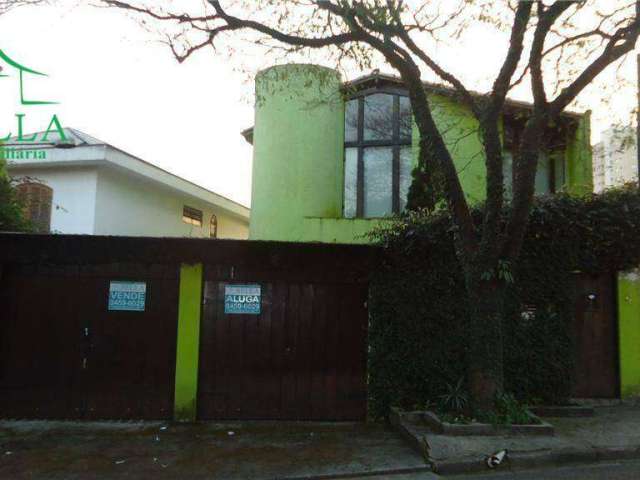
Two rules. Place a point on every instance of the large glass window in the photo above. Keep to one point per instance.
(378, 160)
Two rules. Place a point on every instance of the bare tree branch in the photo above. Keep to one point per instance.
(574, 37)
(6, 5)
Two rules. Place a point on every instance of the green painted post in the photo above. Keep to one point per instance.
(188, 343)
(629, 332)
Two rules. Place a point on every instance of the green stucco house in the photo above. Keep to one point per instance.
(332, 159)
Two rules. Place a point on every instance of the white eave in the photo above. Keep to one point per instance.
(89, 151)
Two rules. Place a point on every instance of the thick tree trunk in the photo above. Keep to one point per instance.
(485, 340)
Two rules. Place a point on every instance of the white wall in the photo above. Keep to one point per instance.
(74, 196)
(615, 159)
(127, 204)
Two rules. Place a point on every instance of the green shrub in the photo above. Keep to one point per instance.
(508, 411)
(11, 218)
(418, 299)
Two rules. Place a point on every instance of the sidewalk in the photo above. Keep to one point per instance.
(112, 450)
(266, 450)
(612, 433)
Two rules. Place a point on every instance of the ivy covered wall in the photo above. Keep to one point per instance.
(418, 300)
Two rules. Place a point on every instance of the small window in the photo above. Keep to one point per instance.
(36, 199)
(192, 216)
(550, 175)
(213, 227)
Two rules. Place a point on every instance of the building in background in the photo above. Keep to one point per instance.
(333, 160)
(82, 185)
(615, 160)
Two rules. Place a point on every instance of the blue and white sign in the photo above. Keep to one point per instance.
(127, 296)
(242, 299)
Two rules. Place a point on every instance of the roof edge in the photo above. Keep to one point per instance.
(235, 208)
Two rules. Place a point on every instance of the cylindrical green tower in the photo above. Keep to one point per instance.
(298, 143)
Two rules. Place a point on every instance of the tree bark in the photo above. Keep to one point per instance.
(484, 340)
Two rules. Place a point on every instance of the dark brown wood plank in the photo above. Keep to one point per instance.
(319, 370)
(292, 323)
(596, 373)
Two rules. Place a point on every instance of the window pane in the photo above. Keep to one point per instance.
(543, 175)
(192, 216)
(507, 173)
(350, 182)
(378, 181)
(406, 165)
(351, 121)
(405, 118)
(213, 227)
(36, 200)
(378, 117)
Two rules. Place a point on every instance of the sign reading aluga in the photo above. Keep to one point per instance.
(127, 296)
(242, 299)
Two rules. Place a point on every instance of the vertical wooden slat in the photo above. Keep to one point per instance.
(319, 407)
(289, 395)
(304, 353)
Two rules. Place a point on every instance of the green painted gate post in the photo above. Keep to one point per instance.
(188, 343)
(629, 332)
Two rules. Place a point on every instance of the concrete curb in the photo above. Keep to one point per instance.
(367, 473)
(545, 458)
(516, 461)
(401, 421)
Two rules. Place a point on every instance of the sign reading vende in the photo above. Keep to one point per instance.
(127, 296)
(242, 299)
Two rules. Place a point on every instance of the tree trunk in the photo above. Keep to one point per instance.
(485, 340)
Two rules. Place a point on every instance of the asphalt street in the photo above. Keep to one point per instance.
(627, 470)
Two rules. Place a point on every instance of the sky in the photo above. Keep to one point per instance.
(116, 82)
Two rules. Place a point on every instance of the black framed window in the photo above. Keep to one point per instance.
(550, 174)
(192, 216)
(378, 160)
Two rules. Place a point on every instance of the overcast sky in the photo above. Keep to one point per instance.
(113, 81)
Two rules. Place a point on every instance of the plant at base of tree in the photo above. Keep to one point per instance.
(508, 411)
(456, 398)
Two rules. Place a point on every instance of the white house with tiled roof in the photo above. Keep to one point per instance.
(82, 185)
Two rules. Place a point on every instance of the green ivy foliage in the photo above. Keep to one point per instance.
(418, 300)
(11, 218)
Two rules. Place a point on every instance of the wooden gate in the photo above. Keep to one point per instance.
(595, 330)
(63, 354)
(302, 358)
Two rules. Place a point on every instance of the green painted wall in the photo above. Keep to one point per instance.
(629, 332)
(299, 155)
(298, 150)
(188, 344)
(460, 131)
(579, 167)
